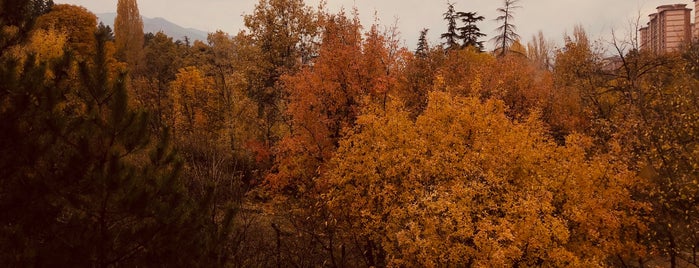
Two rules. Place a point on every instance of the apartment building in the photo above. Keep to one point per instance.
(669, 29)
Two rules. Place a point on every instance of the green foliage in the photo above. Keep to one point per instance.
(470, 33)
(450, 35)
(90, 187)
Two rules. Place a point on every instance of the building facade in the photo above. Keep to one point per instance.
(670, 29)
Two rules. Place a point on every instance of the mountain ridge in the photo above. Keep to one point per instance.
(157, 24)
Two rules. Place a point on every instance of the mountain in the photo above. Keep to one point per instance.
(154, 25)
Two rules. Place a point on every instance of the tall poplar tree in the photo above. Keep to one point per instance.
(128, 32)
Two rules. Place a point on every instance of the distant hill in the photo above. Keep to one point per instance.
(154, 25)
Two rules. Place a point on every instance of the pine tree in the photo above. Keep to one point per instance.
(89, 186)
(451, 35)
(128, 32)
(470, 33)
(507, 34)
(423, 46)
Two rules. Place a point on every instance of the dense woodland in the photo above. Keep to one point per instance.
(309, 139)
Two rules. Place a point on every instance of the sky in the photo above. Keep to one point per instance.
(553, 17)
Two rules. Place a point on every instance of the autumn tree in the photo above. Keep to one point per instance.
(667, 136)
(352, 71)
(441, 191)
(580, 99)
(229, 66)
(464, 73)
(655, 96)
(507, 34)
(284, 33)
(417, 75)
(541, 51)
(323, 100)
(643, 103)
(128, 33)
(77, 23)
(162, 59)
(17, 18)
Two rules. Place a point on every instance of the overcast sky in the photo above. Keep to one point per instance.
(553, 17)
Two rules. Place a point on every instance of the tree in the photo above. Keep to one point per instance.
(162, 59)
(423, 47)
(79, 25)
(465, 186)
(470, 33)
(417, 75)
(128, 34)
(285, 34)
(450, 36)
(90, 187)
(323, 99)
(191, 93)
(17, 18)
(581, 102)
(656, 120)
(666, 129)
(466, 72)
(353, 71)
(507, 34)
(540, 51)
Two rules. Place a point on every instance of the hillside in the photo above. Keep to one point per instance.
(154, 25)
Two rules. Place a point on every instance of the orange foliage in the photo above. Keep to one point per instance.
(326, 97)
(464, 185)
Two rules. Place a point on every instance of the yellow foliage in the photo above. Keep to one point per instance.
(191, 92)
(47, 44)
(465, 185)
(77, 23)
(44, 45)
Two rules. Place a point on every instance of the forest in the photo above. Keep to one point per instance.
(309, 139)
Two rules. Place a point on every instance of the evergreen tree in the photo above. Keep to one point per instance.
(109, 34)
(86, 185)
(128, 32)
(507, 34)
(451, 36)
(470, 33)
(423, 46)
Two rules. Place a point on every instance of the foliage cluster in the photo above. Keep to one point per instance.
(311, 140)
